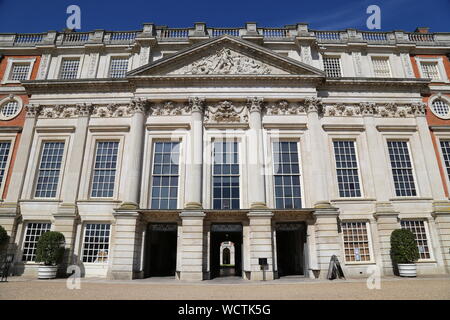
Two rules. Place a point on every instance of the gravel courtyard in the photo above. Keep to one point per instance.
(234, 289)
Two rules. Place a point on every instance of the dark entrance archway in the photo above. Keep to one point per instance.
(219, 234)
(291, 238)
(161, 250)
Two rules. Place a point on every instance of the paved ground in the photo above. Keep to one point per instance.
(229, 288)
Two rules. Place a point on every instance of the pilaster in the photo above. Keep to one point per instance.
(327, 235)
(261, 246)
(387, 221)
(441, 214)
(192, 246)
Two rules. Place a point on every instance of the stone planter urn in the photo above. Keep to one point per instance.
(47, 272)
(407, 269)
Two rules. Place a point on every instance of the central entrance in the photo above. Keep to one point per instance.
(161, 250)
(291, 238)
(226, 250)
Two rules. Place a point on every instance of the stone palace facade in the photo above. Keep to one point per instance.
(151, 149)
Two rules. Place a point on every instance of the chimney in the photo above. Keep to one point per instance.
(422, 29)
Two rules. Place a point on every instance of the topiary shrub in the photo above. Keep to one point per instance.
(50, 248)
(403, 247)
(3, 236)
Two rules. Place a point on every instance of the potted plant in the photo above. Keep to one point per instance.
(50, 251)
(404, 252)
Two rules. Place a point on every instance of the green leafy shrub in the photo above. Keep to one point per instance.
(403, 247)
(50, 248)
(3, 236)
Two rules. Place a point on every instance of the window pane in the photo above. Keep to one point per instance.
(332, 66)
(19, 71)
(49, 169)
(346, 168)
(32, 235)
(417, 227)
(225, 175)
(69, 69)
(356, 241)
(381, 67)
(286, 175)
(401, 168)
(118, 67)
(105, 165)
(165, 175)
(96, 243)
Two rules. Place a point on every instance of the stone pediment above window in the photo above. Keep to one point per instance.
(226, 56)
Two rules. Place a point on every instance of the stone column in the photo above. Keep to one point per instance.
(261, 244)
(192, 246)
(67, 225)
(134, 156)
(327, 236)
(194, 167)
(23, 153)
(378, 164)
(431, 162)
(387, 221)
(441, 214)
(125, 253)
(319, 190)
(257, 196)
(71, 182)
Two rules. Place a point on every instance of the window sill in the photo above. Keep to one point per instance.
(423, 261)
(409, 198)
(352, 199)
(358, 263)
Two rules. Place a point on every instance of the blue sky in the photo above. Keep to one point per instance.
(44, 15)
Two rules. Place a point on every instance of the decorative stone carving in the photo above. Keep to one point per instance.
(59, 111)
(306, 54)
(111, 110)
(386, 110)
(169, 108)
(226, 112)
(284, 107)
(196, 104)
(32, 110)
(225, 61)
(255, 104)
(137, 105)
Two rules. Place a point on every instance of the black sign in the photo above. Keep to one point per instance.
(263, 261)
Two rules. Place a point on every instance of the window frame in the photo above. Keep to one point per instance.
(369, 242)
(152, 157)
(408, 140)
(212, 135)
(428, 235)
(358, 162)
(9, 67)
(387, 58)
(24, 234)
(179, 135)
(12, 140)
(115, 56)
(440, 67)
(443, 137)
(83, 237)
(8, 99)
(274, 135)
(333, 56)
(94, 155)
(57, 70)
(89, 160)
(442, 97)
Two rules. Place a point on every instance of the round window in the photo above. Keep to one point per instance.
(441, 109)
(9, 109)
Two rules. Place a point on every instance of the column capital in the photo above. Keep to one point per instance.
(196, 104)
(138, 105)
(32, 110)
(255, 104)
(84, 109)
(313, 104)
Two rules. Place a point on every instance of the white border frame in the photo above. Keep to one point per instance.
(57, 71)
(442, 97)
(332, 55)
(109, 57)
(102, 265)
(386, 57)
(9, 99)
(9, 66)
(440, 64)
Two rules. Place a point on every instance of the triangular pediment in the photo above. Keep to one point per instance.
(225, 55)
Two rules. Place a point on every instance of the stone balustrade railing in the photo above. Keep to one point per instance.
(164, 33)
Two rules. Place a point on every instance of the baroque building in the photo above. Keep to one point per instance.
(155, 150)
